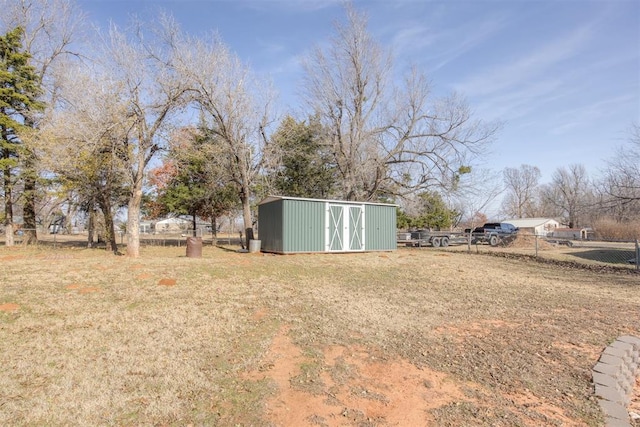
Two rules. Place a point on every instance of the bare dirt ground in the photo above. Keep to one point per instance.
(412, 337)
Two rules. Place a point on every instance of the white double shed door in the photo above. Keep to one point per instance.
(344, 225)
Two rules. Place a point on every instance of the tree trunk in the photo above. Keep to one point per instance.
(71, 213)
(29, 216)
(91, 227)
(8, 224)
(110, 238)
(8, 208)
(214, 231)
(133, 221)
(246, 215)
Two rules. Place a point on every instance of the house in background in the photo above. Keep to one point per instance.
(573, 233)
(299, 225)
(536, 226)
(172, 225)
(146, 227)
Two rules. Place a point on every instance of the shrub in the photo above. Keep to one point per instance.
(608, 229)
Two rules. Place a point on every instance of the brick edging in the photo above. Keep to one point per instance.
(614, 377)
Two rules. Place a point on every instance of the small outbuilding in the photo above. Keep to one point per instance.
(572, 233)
(535, 226)
(172, 225)
(300, 225)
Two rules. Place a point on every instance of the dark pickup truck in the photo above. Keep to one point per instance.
(493, 233)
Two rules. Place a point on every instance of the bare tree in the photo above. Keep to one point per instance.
(235, 106)
(153, 91)
(476, 196)
(570, 192)
(621, 181)
(89, 128)
(385, 139)
(49, 28)
(521, 185)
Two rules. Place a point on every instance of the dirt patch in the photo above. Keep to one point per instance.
(577, 351)
(144, 276)
(533, 403)
(82, 289)
(526, 241)
(634, 406)
(242, 262)
(56, 257)
(9, 307)
(473, 329)
(167, 282)
(352, 387)
(11, 257)
(259, 314)
(405, 338)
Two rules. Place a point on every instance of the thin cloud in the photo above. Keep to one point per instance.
(519, 102)
(596, 111)
(291, 65)
(528, 67)
(292, 5)
(481, 33)
(269, 47)
(414, 40)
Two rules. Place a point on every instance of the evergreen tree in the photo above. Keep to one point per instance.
(434, 213)
(195, 181)
(19, 90)
(304, 168)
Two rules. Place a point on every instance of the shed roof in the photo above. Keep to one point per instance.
(270, 199)
(173, 220)
(529, 222)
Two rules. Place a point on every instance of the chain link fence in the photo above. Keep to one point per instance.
(81, 239)
(615, 253)
(20, 235)
(619, 253)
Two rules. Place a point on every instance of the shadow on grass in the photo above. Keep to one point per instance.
(71, 244)
(225, 247)
(169, 242)
(611, 256)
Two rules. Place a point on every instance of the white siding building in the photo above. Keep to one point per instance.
(172, 225)
(537, 226)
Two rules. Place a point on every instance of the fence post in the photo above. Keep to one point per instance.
(536, 245)
(637, 255)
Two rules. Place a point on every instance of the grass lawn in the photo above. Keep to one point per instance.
(412, 337)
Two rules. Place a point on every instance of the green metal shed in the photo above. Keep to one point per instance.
(295, 225)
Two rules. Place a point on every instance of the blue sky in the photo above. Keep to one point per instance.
(563, 76)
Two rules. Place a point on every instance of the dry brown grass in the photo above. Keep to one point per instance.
(609, 229)
(93, 339)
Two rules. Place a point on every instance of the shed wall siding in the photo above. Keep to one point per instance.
(303, 223)
(270, 227)
(380, 229)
